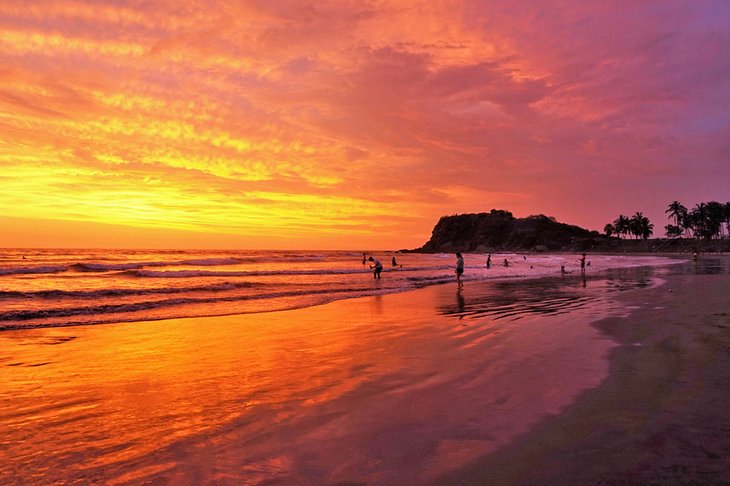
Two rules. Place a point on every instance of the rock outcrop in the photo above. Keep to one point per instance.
(499, 230)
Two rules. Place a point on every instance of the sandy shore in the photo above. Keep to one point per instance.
(504, 383)
(662, 416)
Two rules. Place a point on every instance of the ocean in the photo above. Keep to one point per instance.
(60, 287)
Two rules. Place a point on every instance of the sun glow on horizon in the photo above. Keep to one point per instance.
(337, 124)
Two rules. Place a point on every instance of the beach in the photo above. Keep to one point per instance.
(662, 415)
(618, 378)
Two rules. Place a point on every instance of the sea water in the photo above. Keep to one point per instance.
(62, 287)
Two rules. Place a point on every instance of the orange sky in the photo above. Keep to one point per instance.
(351, 124)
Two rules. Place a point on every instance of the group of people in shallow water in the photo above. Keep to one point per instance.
(377, 266)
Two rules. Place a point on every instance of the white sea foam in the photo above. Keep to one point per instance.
(66, 287)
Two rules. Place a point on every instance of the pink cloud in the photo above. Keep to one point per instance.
(577, 109)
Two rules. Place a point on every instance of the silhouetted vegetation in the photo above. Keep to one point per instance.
(705, 221)
(637, 226)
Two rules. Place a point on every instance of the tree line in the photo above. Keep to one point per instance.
(705, 221)
(637, 225)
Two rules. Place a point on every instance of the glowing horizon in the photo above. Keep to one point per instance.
(352, 124)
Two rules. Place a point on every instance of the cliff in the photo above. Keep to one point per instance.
(499, 230)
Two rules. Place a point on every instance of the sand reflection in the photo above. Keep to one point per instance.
(382, 390)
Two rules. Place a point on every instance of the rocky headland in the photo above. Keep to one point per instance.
(499, 231)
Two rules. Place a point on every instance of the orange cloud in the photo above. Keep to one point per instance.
(358, 123)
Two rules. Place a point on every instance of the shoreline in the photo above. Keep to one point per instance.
(301, 396)
(495, 277)
(367, 389)
(661, 416)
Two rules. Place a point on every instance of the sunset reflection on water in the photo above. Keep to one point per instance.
(380, 389)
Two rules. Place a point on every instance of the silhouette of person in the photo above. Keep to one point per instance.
(583, 263)
(505, 263)
(489, 262)
(378, 267)
(363, 259)
(394, 263)
(563, 270)
(459, 269)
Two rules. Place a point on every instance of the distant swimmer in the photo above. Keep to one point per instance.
(489, 262)
(459, 268)
(378, 267)
(563, 270)
(505, 263)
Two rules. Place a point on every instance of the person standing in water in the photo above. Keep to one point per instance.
(459, 268)
(378, 267)
(489, 261)
(583, 263)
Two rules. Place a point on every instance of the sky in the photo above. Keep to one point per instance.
(352, 124)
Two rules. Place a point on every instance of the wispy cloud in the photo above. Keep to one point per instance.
(285, 117)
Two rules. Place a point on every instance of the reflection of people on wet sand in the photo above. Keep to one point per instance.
(459, 268)
(583, 263)
(378, 267)
(489, 261)
(563, 271)
(505, 263)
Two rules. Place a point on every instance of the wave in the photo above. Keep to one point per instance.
(33, 270)
(106, 309)
(92, 294)
(106, 267)
(91, 267)
(265, 273)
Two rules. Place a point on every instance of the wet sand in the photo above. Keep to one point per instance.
(504, 383)
(662, 416)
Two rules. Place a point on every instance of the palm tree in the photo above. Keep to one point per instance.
(622, 225)
(715, 218)
(673, 231)
(640, 226)
(703, 221)
(609, 230)
(677, 211)
(687, 222)
(647, 228)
